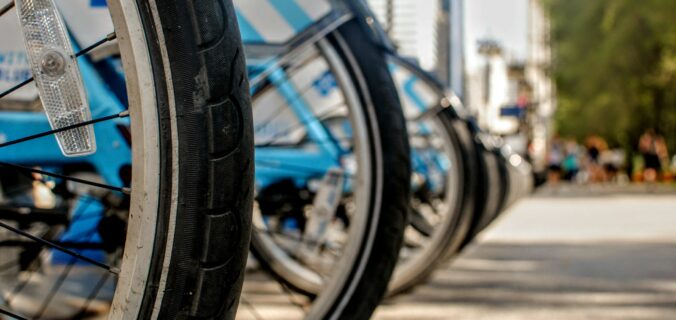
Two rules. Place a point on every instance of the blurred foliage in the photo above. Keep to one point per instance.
(615, 68)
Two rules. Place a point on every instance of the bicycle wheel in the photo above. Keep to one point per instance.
(341, 252)
(443, 177)
(490, 192)
(168, 241)
(501, 187)
(441, 207)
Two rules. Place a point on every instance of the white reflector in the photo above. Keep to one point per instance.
(56, 74)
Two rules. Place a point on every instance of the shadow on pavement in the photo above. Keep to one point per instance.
(549, 281)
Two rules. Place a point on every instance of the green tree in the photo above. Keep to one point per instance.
(615, 65)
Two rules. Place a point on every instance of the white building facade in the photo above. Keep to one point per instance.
(412, 25)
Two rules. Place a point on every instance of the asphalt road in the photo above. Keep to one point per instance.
(567, 253)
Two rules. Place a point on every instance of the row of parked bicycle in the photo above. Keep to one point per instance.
(129, 187)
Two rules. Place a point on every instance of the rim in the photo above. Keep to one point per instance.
(413, 262)
(143, 186)
(410, 266)
(141, 228)
(290, 269)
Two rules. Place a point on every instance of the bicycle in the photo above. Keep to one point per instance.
(111, 192)
(332, 154)
(445, 173)
(477, 177)
(516, 182)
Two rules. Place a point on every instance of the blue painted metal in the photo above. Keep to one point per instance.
(112, 150)
(98, 3)
(427, 162)
(302, 163)
(247, 30)
(113, 153)
(294, 15)
(298, 163)
(85, 218)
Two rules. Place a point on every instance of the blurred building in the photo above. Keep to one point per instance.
(513, 99)
(429, 32)
(412, 25)
(539, 75)
(499, 95)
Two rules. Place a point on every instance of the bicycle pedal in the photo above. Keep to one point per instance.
(57, 75)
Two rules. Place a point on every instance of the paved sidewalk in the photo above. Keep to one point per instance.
(565, 254)
(601, 257)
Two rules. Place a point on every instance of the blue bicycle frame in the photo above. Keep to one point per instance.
(287, 25)
(112, 156)
(418, 98)
(302, 20)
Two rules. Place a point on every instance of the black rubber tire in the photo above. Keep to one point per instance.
(498, 189)
(366, 284)
(200, 69)
(384, 253)
(488, 192)
(456, 231)
(476, 178)
(502, 189)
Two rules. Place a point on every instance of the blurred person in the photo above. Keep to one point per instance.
(571, 162)
(554, 160)
(595, 145)
(653, 149)
(612, 161)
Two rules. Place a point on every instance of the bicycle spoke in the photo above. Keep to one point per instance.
(286, 236)
(299, 51)
(55, 287)
(122, 114)
(84, 51)
(65, 244)
(55, 175)
(11, 314)
(252, 308)
(282, 235)
(326, 115)
(109, 37)
(59, 248)
(292, 299)
(6, 8)
(33, 264)
(22, 284)
(92, 294)
(277, 111)
(16, 87)
(59, 282)
(123, 190)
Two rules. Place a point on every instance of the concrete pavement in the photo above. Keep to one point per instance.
(565, 254)
(582, 255)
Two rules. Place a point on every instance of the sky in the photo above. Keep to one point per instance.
(503, 20)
